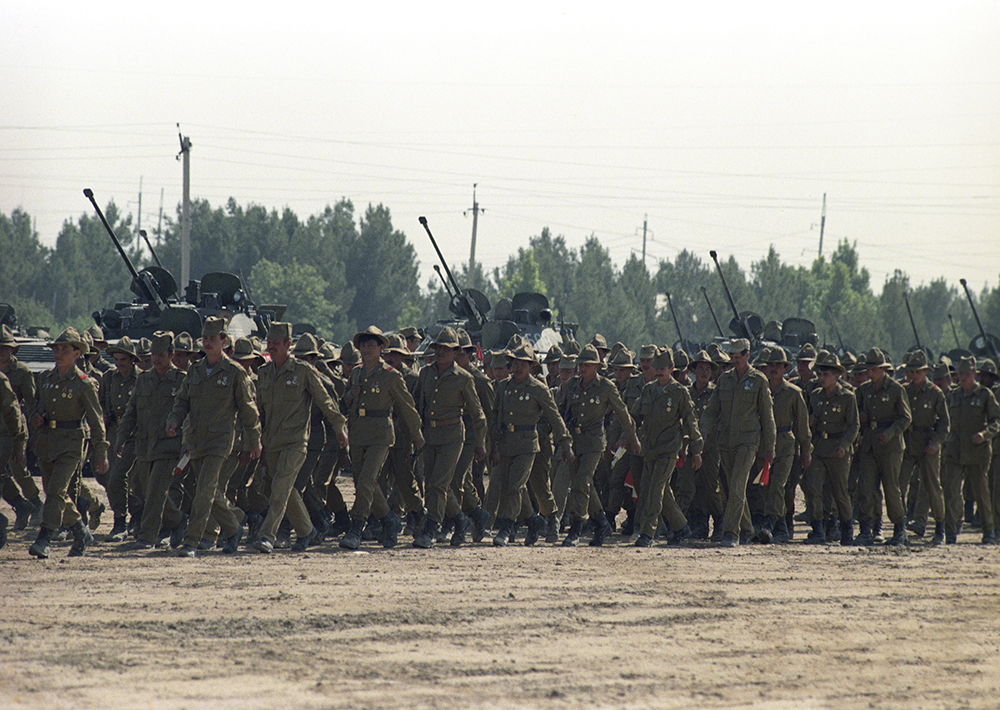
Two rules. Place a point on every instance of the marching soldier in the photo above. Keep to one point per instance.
(28, 507)
(13, 440)
(116, 391)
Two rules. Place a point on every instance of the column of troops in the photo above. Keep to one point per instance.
(206, 446)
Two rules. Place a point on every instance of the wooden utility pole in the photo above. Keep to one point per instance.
(822, 225)
(159, 222)
(472, 252)
(646, 233)
(185, 210)
(138, 224)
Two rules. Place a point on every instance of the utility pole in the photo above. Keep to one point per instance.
(472, 253)
(159, 222)
(185, 209)
(138, 225)
(822, 225)
(645, 231)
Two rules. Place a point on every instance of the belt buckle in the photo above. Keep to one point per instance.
(578, 431)
(434, 423)
(361, 412)
(52, 423)
(823, 435)
(510, 427)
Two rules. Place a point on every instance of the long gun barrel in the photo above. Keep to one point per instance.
(144, 280)
(469, 305)
(836, 330)
(729, 296)
(978, 322)
(704, 292)
(954, 332)
(445, 283)
(912, 324)
(673, 313)
(142, 233)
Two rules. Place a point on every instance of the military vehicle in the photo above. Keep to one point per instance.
(527, 314)
(157, 305)
(33, 349)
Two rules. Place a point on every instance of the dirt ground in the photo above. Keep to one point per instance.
(483, 627)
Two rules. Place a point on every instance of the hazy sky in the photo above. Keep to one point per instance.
(725, 124)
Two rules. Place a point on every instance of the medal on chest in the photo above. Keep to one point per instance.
(293, 380)
(222, 381)
(747, 385)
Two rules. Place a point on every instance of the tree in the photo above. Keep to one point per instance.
(301, 288)
(22, 269)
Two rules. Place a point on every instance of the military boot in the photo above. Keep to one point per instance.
(425, 539)
(572, 538)
(763, 530)
(536, 526)
(391, 527)
(877, 531)
(612, 520)
(917, 527)
(699, 525)
(412, 521)
(677, 537)
(938, 538)
(3, 530)
(94, 514)
(81, 538)
(988, 537)
(780, 534)
(717, 532)
(818, 534)
(40, 548)
(178, 533)
(83, 508)
(503, 532)
(480, 520)
(462, 526)
(898, 538)
(341, 523)
(37, 509)
(373, 530)
(628, 527)
(602, 528)
(832, 529)
(865, 537)
(444, 533)
(846, 533)
(118, 530)
(22, 513)
(551, 529)
(352, 540)
(304, 543)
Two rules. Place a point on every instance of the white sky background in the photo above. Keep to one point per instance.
(724, 123)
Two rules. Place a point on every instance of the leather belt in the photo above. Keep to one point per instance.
(435, 423)
(883, 424)
(590, 428)
(520, 427)
(373, 412)
(831, 434)
(66, 424)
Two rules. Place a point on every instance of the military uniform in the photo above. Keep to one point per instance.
(22, 382)
(697, 492)
(619, 495)
(13, 439)
(930, 427)
(793, 439)
(116, 391)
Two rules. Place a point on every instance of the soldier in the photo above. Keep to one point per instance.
(444, 393)
(667, 421)
(67, 399)
(143, 425)
(884, 413)
(741, 414)
(975, 421)
(13, 440)
(116, 390)
(833, 418)
(411, 336)
(630, 386)
(521, 402)
(144, 351)
(551, 363)
(806, 380)
(214, 393)
(98, 344)
(589, 398)
(374, 391)
(28, 507)
(287, 387)
(183, 351)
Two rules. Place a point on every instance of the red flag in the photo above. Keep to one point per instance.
(765, 475)
(479, 350)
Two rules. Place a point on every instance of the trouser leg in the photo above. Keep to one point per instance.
(154, 479)
(581, 473)
(514, 472)
(57, 474)
(439, 470)
(209, 500)
(737, 463)
(366, 463)
(283, 467)
(774, 494)
(538, 483)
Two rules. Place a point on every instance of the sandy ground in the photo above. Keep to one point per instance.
(483, 627)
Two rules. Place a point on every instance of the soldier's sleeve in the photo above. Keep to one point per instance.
(95, 418)
(493, 421)
(800, 424)
(487, 396)
(765, 406)
(403, 404)
(903, 415)
(246, 409)
(27, 394)
(710, 417)
(475, 410)
(689, 423)
(104, 394)
(943, 423)
(126, 427)
(11, 411)
(560, 434)
(853, 424)
(348, 399)
(992, 416)
(321, 398)
(618, 404)
(182, 403)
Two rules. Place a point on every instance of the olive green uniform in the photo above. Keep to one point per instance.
(22, 382)
(14, 433)
(929, 427)
(397, 472)
(211, 404)
(791, 421)
(115, 394)
(834, 424)
(619, 496)
(970, 413)
(697, 492)
(462, 487)
(887, 411)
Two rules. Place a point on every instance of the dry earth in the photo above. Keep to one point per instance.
(483, 627)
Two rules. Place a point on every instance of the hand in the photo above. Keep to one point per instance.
(480, 454)
(342, 440)
(494, 458)
(419, 442)
(839, 452)
(119, 449)
(37, 421)
(978, 438)
(171, 429)
(806, 460)
(696, 462)
(255, 452)
(883, 438)
(568, 456)
(812, 422)
(101, 467)
(931, 450)
(634, 446)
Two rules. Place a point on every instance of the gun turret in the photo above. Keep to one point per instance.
(463, 303)
(738, 325)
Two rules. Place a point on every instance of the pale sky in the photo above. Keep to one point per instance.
(724, 123)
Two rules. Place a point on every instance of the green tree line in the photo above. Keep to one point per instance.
(342, 272)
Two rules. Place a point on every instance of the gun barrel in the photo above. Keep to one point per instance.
(975, 313)
(836, 330)
(142, 233)
(673, 313)
(89, 194)
(913, 325)
(704, 292)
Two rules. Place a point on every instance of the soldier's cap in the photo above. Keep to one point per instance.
(396, 345)
(848, 360)
(125, 346)
(762, 357)
(214, 326)
(371, 331)
(184, 343)
(7, 338)
(96, 334)
(947, 361)
(777, 356)
(349, 354)
(917, 360)
(807, 353)
(243, 349)
(718, 357)
(516, 341)
(447, 338)
(826, 360)
(663, 360)
(703, 356)
(876, 358)
(568, 362)
(523, 352)
(588, 355)
(144, 348)
(88, 341)
(162, 342)
(681, 360)
(499, 358)
(572, 348)
(616, 348)
(409, 332)
(306, 345)
(599, 342)
(941, 372)
(737, 345)
(966, 364)
(988, 367)
(464, 340)
(554, 355)
(279, 331)
(328, 352)
(71, 336)
(623, 358)
(647, 352)
(859, 368)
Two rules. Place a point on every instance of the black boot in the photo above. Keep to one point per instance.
(699, 525)
(512, 535)
(677, 537)
(413, 519)
(572, 538)
(118, 530)
(503, 532)
(612, 520)
(602, 528)
(444, 534)
(938, 538)
(40, 548)
(462, 526)
(846, 533)
(81, 538)
(763, 530)
(551, 529)
(865, 537)
(3, 531)
(780, 534)
(877, 530)
(480, 520)
(352, 540)
(425, 539)
(832, 529)
(628, 527)
(391, 527)
(917, 527)
(818, 534)
(536, 526)
(373, 530)
(341, 523)
(898, 538)
(22, 511)
(83, 508)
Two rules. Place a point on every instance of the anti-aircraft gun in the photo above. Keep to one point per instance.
(158, 307)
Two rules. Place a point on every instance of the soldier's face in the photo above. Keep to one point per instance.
(828, 379)
(371, 351)
(65, 355)
(702, 373)
(663, 375)
(445, 357)
(804, 368)
(278, 348)
(124, 364)
(180, 360)
(212, 345)
(6, 354)
(520, 369)
(622, 374)
(412, 342)
(876, 374)
(161, 362)
(967, 380)
(588, 370)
